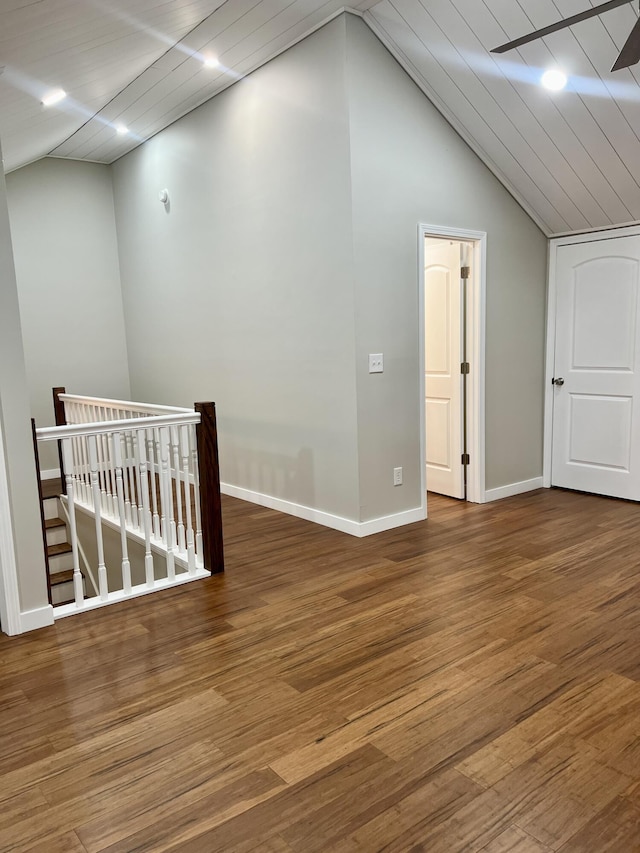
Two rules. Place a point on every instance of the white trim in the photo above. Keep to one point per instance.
(336, 522)
(476, 326)
(549, 366)
(127, 405)
(41, 617)
(628, 227)
(9, 595)
(476, 336)
(50, 474)
(595, 235)
(390, 522)
(72, 609)
(513, 489)
(569, 240)
(55, 433)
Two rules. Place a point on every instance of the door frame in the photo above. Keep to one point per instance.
(9, 595)
(476, 325)
(552, 291)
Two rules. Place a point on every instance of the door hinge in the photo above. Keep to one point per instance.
(465, 459)
(464, 368)
(465, 272)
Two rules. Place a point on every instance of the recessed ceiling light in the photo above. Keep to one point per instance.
(211, 62)
(554, 79)
(54, 97)
(122, 129)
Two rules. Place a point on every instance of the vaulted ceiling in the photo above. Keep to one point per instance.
(572, 158)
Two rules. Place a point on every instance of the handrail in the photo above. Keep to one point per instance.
(55, 433)
(151, 473)
(122, 404)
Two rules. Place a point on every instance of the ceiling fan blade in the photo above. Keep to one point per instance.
(560, 25)
(630, 53)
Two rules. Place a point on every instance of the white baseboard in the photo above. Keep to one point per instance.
(389, 522)
(50, 474)
(513, 489)
(336, 522)
(31, 620)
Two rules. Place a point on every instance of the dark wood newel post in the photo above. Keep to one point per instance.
(209, 472)
(58, 410)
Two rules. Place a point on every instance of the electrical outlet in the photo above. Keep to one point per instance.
(376, 364)
(397, 476)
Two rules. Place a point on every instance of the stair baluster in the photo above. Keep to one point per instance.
(169, 525)
(175, 453)
(184, 449)
(67, 456)
(116, 445)
(196, 492)
(95, 485)
(153, 467)
(146, 511)
(130, 464)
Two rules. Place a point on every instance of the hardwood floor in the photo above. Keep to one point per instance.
(463, 684)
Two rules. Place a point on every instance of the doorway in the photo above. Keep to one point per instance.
(594, 387)
(446, 272)
(451, 312)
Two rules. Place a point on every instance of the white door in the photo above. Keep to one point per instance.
(596, 409)
(443, 356)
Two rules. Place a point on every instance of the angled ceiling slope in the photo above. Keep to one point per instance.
(628, 56)
(137, 63)
(92, 50)
(571, 158)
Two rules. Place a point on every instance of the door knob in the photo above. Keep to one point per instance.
(559, 381)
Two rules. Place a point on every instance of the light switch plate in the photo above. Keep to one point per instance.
(376, 362)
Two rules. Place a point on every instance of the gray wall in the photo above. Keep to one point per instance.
(408, 166)
(66, 257)
(15, 430)
(288, 252)
(242, 291)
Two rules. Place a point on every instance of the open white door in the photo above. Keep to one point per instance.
(443, 356)
(596, 410)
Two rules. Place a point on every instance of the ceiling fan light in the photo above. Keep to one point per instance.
(53, 97)
(554, 80)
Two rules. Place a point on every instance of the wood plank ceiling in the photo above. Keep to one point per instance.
(572, 158)
(91, 50)
(138, 63)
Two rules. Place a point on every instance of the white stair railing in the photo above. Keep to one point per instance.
(135, 471)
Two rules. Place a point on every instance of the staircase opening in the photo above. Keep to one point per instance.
(137, 507)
